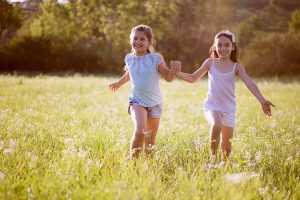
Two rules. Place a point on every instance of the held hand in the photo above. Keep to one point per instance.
(175, 66)
(266, 106)
(114, 86)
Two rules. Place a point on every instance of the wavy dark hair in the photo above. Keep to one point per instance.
(148, 32)
(234, 53)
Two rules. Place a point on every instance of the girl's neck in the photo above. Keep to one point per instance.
(140, 53)
(225, 60)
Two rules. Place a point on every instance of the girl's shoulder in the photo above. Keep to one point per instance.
(208, 63)
(156, 54)
(209, 60)
(238, 66)
(128, 56)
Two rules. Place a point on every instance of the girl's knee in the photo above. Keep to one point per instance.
(139, 134)
(226, 144)
(226, 147)
(216, 126)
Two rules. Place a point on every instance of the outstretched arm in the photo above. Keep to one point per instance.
(191, 78)
(115, 85)
(169, 74)
(265, 104)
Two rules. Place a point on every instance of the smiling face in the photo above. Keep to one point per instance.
(224, 47)
(139, 42)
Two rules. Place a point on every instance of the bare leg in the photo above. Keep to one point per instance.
(216, 125)
(139, 118)
(227, 133)
(152, 128)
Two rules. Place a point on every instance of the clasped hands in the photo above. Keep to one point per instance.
(175, 66)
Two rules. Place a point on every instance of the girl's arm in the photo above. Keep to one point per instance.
(191, 78)
(168, 74)
(124, 79)
(265, 104)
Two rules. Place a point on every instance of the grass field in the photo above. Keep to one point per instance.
(68, 138)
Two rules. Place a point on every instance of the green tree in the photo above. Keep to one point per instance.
(273, 54)
(96, 28)
(270, 19)
(294, 23)
(192, 29)
(10, 20)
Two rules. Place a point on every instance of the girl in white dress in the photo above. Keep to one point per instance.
(220, 105)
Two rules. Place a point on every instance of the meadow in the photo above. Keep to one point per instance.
(68, 138)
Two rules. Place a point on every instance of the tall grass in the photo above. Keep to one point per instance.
(68, 138)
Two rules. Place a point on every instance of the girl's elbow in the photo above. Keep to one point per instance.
(168, 79)
(193, 79)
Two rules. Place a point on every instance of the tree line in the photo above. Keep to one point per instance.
(93, 35)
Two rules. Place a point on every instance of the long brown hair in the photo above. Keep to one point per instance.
(148, 32)
(231, 37)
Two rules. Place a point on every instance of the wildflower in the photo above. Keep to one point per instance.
(252, 175)
(258, 156)
(82, 153)
(248, 156)
(69, 140)
(235, 178)
(8, 151)
(263, 191)
(33, 161)
(89, 161)
(1, 145)
(239, 177)
(12, 144)
(290, 158)
(2, 176)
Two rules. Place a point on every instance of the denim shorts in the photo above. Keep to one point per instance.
(152, 112)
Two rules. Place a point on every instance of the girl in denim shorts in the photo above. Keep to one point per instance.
(143, 69)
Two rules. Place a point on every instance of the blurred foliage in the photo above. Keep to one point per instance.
(10, 19)
(93, 35)
(273, 54)
(294, 24)
(271, 19)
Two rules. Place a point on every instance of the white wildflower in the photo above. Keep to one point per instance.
(82, 153)
(248, 156)
(252, 175)
(12, 144)
(2, 176)
(263, 191)
(234, 178)
(69, 140)
(33, 161)
(239, 177)
(1, 145)
(258, 156)
(8, 151)
(89, 161)
(289, 158)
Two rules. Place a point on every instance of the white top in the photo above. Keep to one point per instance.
(144, 78)
(221, 90)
